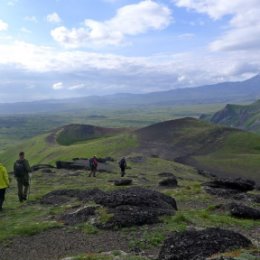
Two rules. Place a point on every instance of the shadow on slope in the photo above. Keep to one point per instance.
(74, 133)
(222, 150)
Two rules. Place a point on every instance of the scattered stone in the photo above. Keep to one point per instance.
(170, 182)
(198, 245)
(166, 174)
(123, 182)
(242, 211)
(239, 184)
(79, 216)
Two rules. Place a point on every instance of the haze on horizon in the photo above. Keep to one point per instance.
(66, 48)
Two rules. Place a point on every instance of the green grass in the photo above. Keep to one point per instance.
(39, 151)
(16, 128)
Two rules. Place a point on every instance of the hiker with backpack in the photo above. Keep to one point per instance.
(21, 172)
(93, 164)
(4, 184)
(122, 166)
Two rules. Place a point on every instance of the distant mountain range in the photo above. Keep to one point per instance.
(245, 117)
(227, 92)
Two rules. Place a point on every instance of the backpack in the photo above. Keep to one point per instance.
(92, 163)
(122, 163)
(19, 169)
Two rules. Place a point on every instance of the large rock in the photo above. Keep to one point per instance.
(83, 164)
(79, 216)
(220, 192)
(136, 206)
(242, 211)
(41, 167)
(123, 182)
(239, 184)
(137, 197)
(169, 182)
(59, 197)
(74, 165)
(198, 245)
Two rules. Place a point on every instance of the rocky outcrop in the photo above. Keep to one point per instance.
(83, 164)
(59, 197)
(239, 184)
(225, 193)
(71, 165)
(242, 211)
(123, 182)
(136, 206)
(38, 167)
(198, 245)
(231, 188)
(128, 207)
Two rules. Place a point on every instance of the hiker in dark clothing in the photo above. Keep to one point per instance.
(122, 166)
(4, 184)
(21, 172)
(93, 164)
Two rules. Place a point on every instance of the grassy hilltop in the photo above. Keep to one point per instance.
(220, 150)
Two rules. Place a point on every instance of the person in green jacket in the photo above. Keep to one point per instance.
(21, 172)
(4, 184)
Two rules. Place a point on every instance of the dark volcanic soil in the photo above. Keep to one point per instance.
(56, 244)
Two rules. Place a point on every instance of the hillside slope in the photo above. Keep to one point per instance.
(245, 117)
(71, 134)
(220, 150)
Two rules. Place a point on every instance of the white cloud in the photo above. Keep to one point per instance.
(3, 26)
(108, 73)
(53, 18)
(25, 30)
(76, 87)
(243, 32)
(12, 2)
(129, 20)
(31, 19)
(58, 86)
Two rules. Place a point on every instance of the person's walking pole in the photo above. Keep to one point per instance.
(30, 182)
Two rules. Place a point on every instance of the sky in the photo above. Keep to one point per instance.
(69, 48)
